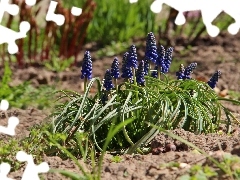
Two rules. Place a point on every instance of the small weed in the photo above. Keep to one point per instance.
(58, 65)
(111, 50)
(116, 159)
(24, 94)
(199, 172)
(234, 95)
(170, 164)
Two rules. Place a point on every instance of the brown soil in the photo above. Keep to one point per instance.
(210, 53)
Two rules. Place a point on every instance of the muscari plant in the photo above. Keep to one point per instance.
(146, 97)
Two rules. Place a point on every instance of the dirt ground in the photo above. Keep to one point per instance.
(220, 53)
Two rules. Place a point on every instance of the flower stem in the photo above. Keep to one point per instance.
(159, 72)
(85, 84)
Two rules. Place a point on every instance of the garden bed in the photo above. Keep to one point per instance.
(221, 53)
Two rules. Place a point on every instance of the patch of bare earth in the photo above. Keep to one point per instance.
(210, 53)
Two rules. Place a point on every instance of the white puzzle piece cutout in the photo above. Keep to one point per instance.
(12, 121)
(30, 2)
(51, 16)
(59, 19)
(7, 35)
(133, 1)
(4, 105)
(209, 10)
(10, 129)
(76, 11)
(4, 170)
(12, 9)
(32, 170)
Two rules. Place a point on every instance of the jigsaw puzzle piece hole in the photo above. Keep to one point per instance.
(24, 27)
(213, 30)
(43, 167)
(30, 2)
(12, 48)
(22, 156)
(233, 28)
(180, 19)
(4, 169)
(156, 6)
(4, 105)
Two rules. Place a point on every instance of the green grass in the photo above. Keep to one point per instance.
(234, 94)
(118, 20)
(24, 94)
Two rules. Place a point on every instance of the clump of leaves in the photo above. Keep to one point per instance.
(146, 96)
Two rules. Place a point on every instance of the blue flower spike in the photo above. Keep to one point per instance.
(189, 70)
(86, 69)
(146, 66)
(164, 60)
(167, 60)
(180, 74)
(126, 71)
(87, 66)
(115, 69)
(161, 56)
(108, 80)
(140, 74)
(151, 48)
(132, 61)
(132, 57)
(214, 79)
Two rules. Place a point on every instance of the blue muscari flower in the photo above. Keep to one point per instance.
(189, 69)
(132, 57)
(151, 48)
(167, 60)
(140, 74)
(155, 73)
(146, 66)
(161, 56)
(87, 66)
(214, 79)
(115, 69)
(180, 73)
(126, 71)
(108, 80)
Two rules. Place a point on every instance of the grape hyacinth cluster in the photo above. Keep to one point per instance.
(160, 56)
(87, 66)
(107, 83)
(163, 61)
(186, 73)
(214, 79)
(132, 58)
(151, 48)
(126, 71)
(167, 60)
(115, 69)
